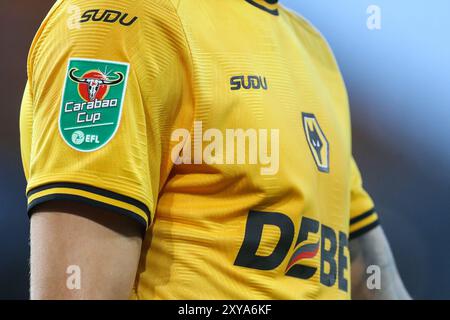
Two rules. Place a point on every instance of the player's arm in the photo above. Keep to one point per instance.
(372, 249)
(80, 251)
(369, 248)
(94, 173)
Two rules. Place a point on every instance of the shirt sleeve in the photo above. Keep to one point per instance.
(107, 84)
(363, 216)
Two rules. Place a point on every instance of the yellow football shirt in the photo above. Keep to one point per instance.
(222, 127)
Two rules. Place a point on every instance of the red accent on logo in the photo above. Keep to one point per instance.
(101, 90)
(304, 252)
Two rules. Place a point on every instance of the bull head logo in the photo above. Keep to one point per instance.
(97, 83)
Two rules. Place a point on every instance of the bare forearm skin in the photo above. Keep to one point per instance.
(372, 249)
(103, 245)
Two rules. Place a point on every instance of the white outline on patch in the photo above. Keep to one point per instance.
(121, 106)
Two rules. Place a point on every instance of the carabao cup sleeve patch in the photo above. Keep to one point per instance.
(92, 102)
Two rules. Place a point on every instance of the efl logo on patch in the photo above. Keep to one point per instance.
(92, 102)
(318, 143)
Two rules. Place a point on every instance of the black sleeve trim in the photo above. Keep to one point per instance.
(364, 230)
(69, 197)
(102, 192)
(362, 216)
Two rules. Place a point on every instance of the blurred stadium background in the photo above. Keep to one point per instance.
(398, 79)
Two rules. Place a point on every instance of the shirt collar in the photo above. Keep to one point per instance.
(270, 6)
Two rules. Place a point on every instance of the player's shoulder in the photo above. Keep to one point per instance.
(299, 22)
(123, 12)
(118, 16)
(150, 27)
(309, 35)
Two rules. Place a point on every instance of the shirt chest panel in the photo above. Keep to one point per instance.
(260, 82)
